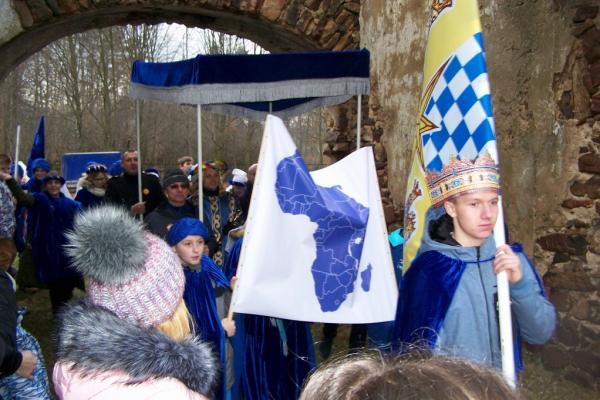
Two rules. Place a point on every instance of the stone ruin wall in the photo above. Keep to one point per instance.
(568, 244)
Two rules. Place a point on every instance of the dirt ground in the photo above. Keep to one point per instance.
(536, 382)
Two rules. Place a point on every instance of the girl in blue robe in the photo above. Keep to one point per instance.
(202, 276)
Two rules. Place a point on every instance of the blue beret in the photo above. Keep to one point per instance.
(186, 227)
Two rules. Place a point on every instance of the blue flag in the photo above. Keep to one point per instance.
(37, 148)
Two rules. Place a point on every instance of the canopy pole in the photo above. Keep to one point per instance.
(200, 188)
(358, 119)
(270, 107)
(139, 151)
(16, 161)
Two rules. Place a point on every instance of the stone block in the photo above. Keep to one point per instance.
(561, 300)
(590, 43)
(580, 377)
(587, 361)
(560, 258)
(389, 214)
(567, 332)
(271, 9)
(560, 242)
(571, 280)
(312, 4)
(581, 306)
(594, 312)
(555, 357)
(577, 203)
(585, 12)
(39, 10)
(581, 27)
(595, 73)
(590, 188)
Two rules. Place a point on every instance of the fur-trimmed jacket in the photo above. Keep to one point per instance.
(103, 357)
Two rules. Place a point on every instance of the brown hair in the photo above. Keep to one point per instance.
(373, 376)
(5, 160)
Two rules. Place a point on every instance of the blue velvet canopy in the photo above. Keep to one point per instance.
(244, 85)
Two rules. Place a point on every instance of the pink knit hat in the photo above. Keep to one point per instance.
(131, 272)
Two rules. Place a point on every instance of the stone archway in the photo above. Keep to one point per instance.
(277, 25)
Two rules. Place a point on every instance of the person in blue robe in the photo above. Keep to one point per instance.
(202, 276)
(273, 356)
(448, 295)
(51, 215)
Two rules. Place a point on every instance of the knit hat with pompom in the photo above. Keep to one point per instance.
(131, 272)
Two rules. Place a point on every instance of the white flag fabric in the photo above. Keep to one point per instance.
(315, 247)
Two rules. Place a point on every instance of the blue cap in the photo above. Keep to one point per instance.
(41, 163)
(186, 227)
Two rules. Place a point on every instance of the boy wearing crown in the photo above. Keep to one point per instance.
(448, 295)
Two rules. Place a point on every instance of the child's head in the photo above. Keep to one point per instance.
(373, 376)
(187, 237)
(40, 168)
(5, 163)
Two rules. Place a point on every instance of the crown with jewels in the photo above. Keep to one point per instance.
(462, 176)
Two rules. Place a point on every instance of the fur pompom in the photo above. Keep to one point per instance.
(107, 244)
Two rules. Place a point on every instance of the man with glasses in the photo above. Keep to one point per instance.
(123, 190)
(176, 188)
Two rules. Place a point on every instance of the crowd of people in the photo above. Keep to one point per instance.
(158, 281)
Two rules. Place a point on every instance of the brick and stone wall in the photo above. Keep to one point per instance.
(569, 244)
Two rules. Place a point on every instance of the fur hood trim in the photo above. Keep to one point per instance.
(96, 340)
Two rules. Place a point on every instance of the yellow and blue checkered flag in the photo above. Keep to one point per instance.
(455, 111)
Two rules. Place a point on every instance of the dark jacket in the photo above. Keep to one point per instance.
(10, 358)
(123, 190)
(166, 214)
(88, 199)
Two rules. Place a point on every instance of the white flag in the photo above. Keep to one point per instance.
(315, 247)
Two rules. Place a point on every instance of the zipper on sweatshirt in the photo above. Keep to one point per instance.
(487, 306)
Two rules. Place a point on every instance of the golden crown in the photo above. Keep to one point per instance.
(460, 176)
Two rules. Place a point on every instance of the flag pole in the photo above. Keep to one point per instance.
(139, 151)
(199, 138)
(504, 312)
(16, 161)
(358, 118)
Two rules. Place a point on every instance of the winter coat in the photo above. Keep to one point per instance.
(49, 219)
(461, 282)
(88, 199)
(123, 190)
(166, 214)
(119, 360)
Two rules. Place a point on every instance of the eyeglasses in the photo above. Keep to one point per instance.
(96, 168)
(179, 186)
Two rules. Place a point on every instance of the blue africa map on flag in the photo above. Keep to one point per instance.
(340, 234)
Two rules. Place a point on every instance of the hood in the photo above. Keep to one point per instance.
(437, 237)
(96, 340)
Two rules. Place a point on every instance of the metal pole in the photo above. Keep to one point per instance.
(358, 118)
(200, 188)
(270, 107)
(139, 151)
(16, 161)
